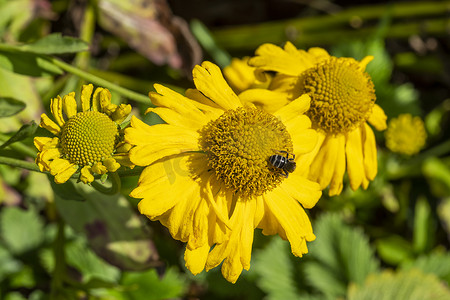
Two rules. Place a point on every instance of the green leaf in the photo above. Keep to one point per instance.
(56, 44)
(443, 211)
(147, 285)
(275, 271)
(22, 230)
(8, 265)
(437, 263)
(91, 267)
(394, 249)
(113, 229)
(405, 285)
(28, 64)
(66, 190)
(24, 132)
(438, 176)
(10, 107)
(340, 255)
(423, 226)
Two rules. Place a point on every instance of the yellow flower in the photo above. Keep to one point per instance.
(406, 134)
(208, 177)
(89, 141)
(240, 76)
(342, 102)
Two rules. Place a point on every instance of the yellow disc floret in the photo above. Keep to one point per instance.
(342, 95)
(89, 137)
(239, 144)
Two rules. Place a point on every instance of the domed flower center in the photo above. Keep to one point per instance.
(239, 144)
(88, 137)
(342, 95)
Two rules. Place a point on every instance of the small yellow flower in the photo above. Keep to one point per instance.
(89, 141)
(240, 76)
(342, 102)
(209, 179)
(406, 134)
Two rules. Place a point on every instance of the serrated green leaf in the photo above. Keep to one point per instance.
(114, 231)
(28, 64)
(340, 255)
(91, 267)
(148, 285)
(56, 44)
(10, 107)
(437, 263)
(405, 285)
(24, 132)
(21, 230)
(274, 268)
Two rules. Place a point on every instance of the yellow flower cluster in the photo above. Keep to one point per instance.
(406, 134)
(252, 151)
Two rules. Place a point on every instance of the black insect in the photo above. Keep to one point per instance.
(284, 163)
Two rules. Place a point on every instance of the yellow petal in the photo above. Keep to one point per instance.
(320, 54)
(288, 61)
(86, 93)
(176, 109)
(304, 140)
(322, 168)
(363, 63)
(267, 100)
(70, 105)
(48, 124)
(378, 118)
(355, 160)
(292, 218)
(370, 153)
(304, 161)
(86, 175)
(305, 191)
(336, 184)
(209, 80)
(95, 105)
(104, 98)
(56, 108)
(124, 160)
(196, 259)
(62, 169)
(99, 168)
(166, 175)
(291, 111)
(121, 113)
(41, 142)
(158, 141)
(239, 74)
(111, 164)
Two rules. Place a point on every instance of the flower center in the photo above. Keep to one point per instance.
(342, 95)
(88, 137)
(239, 144)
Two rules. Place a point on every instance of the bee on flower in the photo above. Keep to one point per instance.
(208, 176)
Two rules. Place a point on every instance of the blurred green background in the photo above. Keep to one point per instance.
(71, 242)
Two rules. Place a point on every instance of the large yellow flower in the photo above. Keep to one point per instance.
(342, 102)
(89, 141)
(209, 179)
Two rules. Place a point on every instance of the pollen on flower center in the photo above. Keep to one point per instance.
(342, 95)
(239, 144)
(88, 137)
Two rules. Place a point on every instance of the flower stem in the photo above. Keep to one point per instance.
(115, 185)
(101, 82)
(60, 262)
(19, 163)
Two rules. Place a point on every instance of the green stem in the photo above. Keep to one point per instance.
(60, 262)
(115, 185)
(412, 168)
(100, 81)
(18, 146)
(19, 163)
